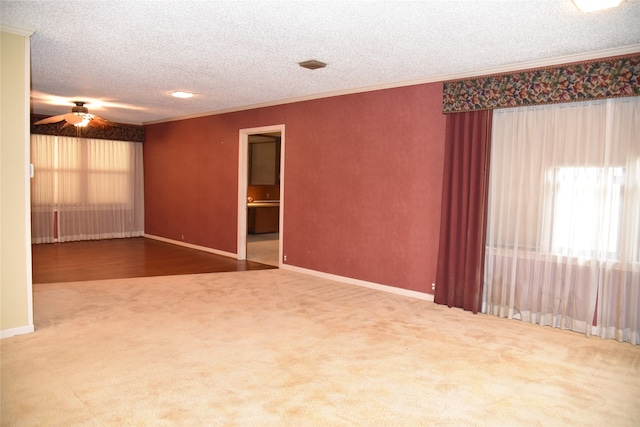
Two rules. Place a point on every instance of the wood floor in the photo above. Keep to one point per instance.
(121, 258)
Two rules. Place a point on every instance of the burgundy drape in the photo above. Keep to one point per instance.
(460, 272)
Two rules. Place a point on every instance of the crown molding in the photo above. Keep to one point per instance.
(16, 30)
(567, 59)
(580, 57)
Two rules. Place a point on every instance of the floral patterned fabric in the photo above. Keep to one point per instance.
(577, 82)
(121, 132)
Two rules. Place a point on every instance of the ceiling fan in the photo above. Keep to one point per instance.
(79, 117)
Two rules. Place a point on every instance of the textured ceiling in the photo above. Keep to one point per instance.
(132, 54)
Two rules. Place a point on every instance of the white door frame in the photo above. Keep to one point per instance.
(243, 173)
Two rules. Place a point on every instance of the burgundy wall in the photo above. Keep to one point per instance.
(362, 182)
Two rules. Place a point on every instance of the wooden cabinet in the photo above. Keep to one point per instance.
(264, 161)
(263, 219)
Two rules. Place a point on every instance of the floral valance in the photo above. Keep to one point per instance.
(610, 78)
(120, 132)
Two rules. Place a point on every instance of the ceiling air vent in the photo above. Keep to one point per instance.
(312, 64)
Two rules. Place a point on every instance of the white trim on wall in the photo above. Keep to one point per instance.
(27, 179)
(20, 330)
(342, 279)
(588, 56)
(19, 32)
(191, 246)
(363, 283)
(243, 173)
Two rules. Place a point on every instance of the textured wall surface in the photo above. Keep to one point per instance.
(362, 182)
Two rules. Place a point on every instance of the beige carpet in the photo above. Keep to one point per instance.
(272, 348)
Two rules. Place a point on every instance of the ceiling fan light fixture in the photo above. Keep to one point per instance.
(594, 5)
(180, 94)
(79, 109)
(86, 118)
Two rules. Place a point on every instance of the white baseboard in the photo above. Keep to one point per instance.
(328, 276)
(191, 246)
(20, 330)
(363, 283)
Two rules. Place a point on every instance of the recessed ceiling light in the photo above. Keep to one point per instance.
(593, 5)
(182, 94)
(312, 64)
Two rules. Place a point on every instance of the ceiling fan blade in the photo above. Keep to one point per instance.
(100, 123)
(53, 119)
(72, 118)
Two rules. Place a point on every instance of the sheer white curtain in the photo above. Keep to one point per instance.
(563, 232)
(86, 189)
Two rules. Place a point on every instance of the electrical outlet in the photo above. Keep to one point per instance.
(433, 286)
(182, 237)
(284, 258)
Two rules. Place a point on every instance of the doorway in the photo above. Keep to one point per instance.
(261, 194)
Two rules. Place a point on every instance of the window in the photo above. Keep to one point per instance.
(78, 171)
(563, 229)
(85, 189)
(108, 174)
(579, 223)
